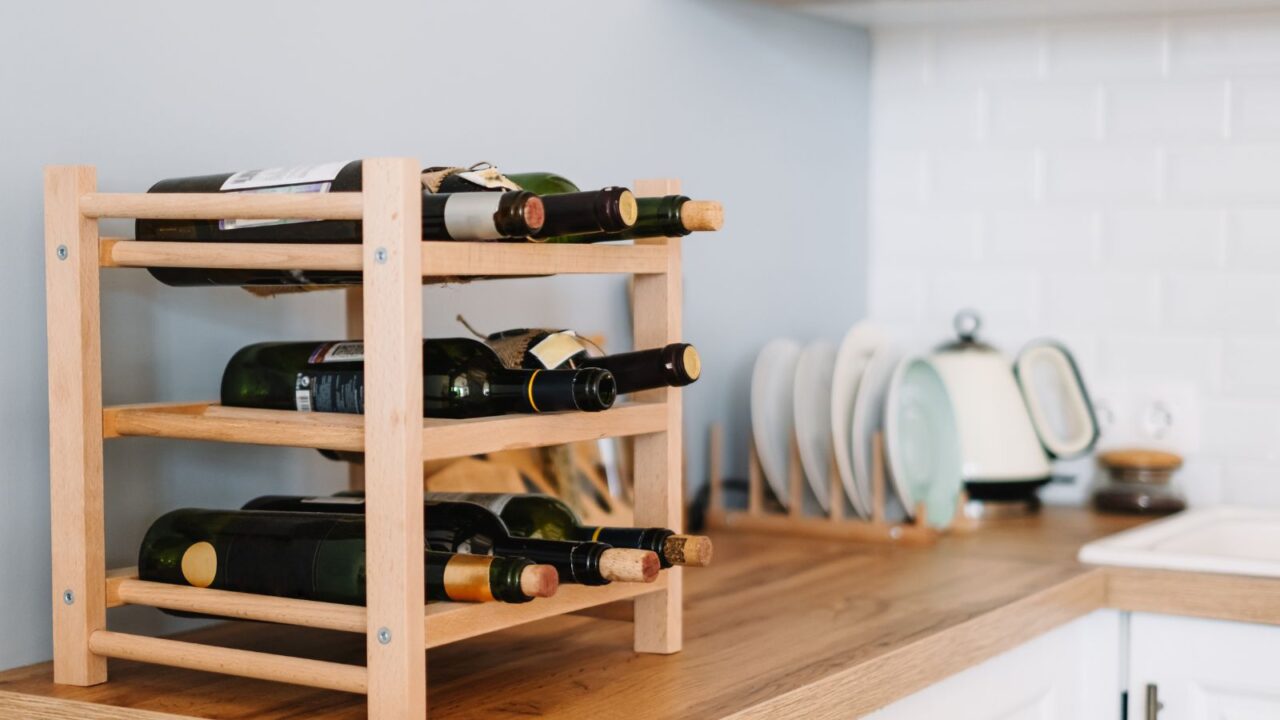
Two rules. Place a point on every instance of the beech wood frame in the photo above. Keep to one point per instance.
(395, 262)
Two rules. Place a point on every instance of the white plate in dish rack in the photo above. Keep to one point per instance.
(813, 417)
(773, 411)
(855, 352)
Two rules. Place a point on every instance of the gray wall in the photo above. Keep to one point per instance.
(758, 108)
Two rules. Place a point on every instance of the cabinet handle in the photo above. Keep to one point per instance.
(1154, 706)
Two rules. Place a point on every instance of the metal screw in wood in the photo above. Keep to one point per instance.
(384, 636)
(68, 597)
(62, 252)
(380, 255)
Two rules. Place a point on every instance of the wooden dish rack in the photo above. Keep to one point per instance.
(395, 439)
(834, 525)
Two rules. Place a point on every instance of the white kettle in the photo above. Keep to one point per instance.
(1013, 419)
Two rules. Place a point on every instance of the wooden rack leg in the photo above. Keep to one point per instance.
(396, 640)
(836, 513)
(715, 474)
(795, 480)
(877, 478)
(355, 329)
(75, 425)
(755, 480)
(656, 321)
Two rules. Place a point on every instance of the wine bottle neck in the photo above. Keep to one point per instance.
(651, 539)
(674, 365)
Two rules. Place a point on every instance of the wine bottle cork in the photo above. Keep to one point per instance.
(702, 215)
(691, 550)
(627, 565)
(539, 581)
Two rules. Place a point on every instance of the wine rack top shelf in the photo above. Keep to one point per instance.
(441, 439)
(439, 259)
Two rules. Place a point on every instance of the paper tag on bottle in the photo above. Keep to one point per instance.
(297, 179)
(488, 177)
(553, 350)
(352, 351)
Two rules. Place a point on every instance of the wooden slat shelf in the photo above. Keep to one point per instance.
(446, 622)
(441, 439)
(439, 259)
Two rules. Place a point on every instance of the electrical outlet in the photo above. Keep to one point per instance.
(1155, 414)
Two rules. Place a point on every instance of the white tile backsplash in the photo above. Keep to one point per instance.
(1102, 175)
(1107, 50)
(1115, 184)
(1225, 174)
(1164, 237)
(1145, 112)
(1032, 113)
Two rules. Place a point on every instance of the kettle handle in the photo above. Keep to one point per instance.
(1056, 399)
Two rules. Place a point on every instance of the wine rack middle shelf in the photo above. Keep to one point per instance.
(439, 259)
(441, 438)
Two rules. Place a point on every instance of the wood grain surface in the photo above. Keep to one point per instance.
(774, 628)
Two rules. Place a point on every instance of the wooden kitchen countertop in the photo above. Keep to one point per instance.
(777, 627)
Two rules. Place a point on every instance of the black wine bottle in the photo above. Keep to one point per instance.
(461, 378)
(663, 216)
(674, 365)
(569, 212)
(469, 528)
(463, 216)
(543, 516)
(313, 556)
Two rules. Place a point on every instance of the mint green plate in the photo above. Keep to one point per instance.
(922, 442)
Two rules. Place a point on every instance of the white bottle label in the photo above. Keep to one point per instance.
(276, 177)
(302, 393)
(297, 179)
(352, 351)
(470, 215)
(553, 350)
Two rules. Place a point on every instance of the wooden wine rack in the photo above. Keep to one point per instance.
(394, 261)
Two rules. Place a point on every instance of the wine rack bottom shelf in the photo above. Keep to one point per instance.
(446, 622)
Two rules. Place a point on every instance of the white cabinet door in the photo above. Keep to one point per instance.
(1204, 669)
(1069, 673)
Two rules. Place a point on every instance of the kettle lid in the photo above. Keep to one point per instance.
(967, 322)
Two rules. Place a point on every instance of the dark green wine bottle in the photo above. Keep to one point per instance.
(663, 216)
(674, 365)
(313, 556)
(461, 378)
(466, 216)
(543, 516)
(470, 528)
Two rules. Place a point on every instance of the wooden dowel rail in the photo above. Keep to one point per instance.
(229, 661)
(116, 252)
(239, 606)
(214, 206)
(439, 259)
